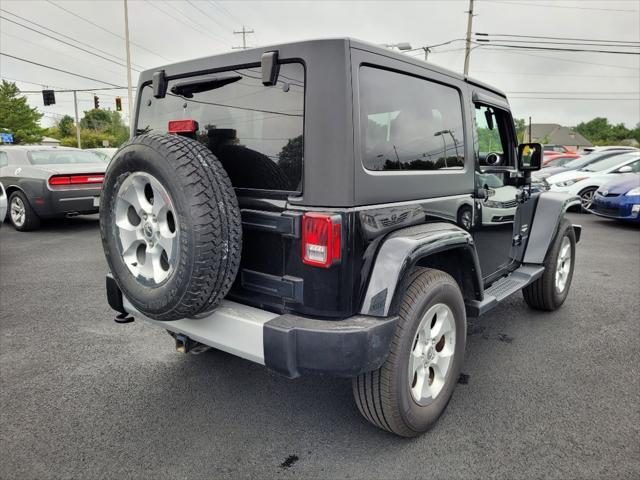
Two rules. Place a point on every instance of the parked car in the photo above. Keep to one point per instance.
(590, 150)
(556, 149)
(538, 179)
(585, 181)
(619, 199)
(104, 153)
(3, 204)
(558, 159)
(213, 230)
(48, 182)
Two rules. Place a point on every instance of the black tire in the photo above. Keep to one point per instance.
(542, 294)
(31, 218)
(383, 396)
(207, 215)
(465, 217)
(586, 197)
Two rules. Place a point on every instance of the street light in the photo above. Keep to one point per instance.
(399, 46)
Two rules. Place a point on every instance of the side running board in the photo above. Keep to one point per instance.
(501, 289)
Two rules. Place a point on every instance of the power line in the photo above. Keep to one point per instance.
(546, 5)
(62, 41)
(58, 69)
(24, 81)
(577, 93)
(205, 14)
(577, 98)
(558, 59)
(196, 26)
(69, 90)
(226, 12)
(496, 72)
(203, 29)
(553, 38)
(555, 49)
(106, 30)
(552, 42)
(66, 36)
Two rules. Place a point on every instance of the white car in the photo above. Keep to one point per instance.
(3, 204)
(585, 181)
(589, 150)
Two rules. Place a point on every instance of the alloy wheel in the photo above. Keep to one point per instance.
(147, 228)
(432, 354)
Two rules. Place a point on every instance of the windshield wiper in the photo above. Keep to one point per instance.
(188, 88)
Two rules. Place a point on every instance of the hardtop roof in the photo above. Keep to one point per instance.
(350, 42)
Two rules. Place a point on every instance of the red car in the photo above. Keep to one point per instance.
(557, 159)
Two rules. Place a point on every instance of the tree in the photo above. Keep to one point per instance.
(521, 127)
(600, 131)
(96, 119)
(66, 126)
(17, 117)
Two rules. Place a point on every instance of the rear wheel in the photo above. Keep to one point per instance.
(550, 290)
(409, 392)
(21, 215)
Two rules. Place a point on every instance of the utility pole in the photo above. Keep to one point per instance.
(75, 105)
(126, 36)
(426, 52)
(530, 139)
(467, 51)
(244, 33)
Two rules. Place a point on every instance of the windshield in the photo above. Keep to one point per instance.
(62, 157)
(609, 162)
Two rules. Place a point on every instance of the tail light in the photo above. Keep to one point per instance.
(321, 239)
(91, 179)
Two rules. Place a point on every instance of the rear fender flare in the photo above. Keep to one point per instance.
(401, 251)
(550, 209)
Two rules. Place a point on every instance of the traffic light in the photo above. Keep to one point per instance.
(48, 97)
(96, 102)
(118, 104)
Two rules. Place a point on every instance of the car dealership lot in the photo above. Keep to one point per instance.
(553, 395)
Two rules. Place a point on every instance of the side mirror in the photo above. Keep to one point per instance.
(625, 169)
(529, 157)
(270, 68)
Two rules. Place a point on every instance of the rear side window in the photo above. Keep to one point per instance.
(255, 131)
(409, 123)
(62, 157)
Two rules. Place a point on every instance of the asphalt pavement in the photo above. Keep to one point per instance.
(543, 395)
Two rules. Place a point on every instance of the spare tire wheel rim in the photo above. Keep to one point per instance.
(431, 355)
(147, 228)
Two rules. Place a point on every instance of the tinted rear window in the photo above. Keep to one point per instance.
(62, 157)
(409, 123)
(255, 131)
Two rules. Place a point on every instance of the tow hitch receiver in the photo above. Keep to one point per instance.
(186, 345)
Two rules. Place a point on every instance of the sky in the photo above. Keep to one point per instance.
(549, 86)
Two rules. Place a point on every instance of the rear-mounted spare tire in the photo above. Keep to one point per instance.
(170, 226)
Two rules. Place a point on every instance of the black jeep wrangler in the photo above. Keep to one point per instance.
(330, 207)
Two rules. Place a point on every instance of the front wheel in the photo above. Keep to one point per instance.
(550, 290)
(586, 199)
(409, 392)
